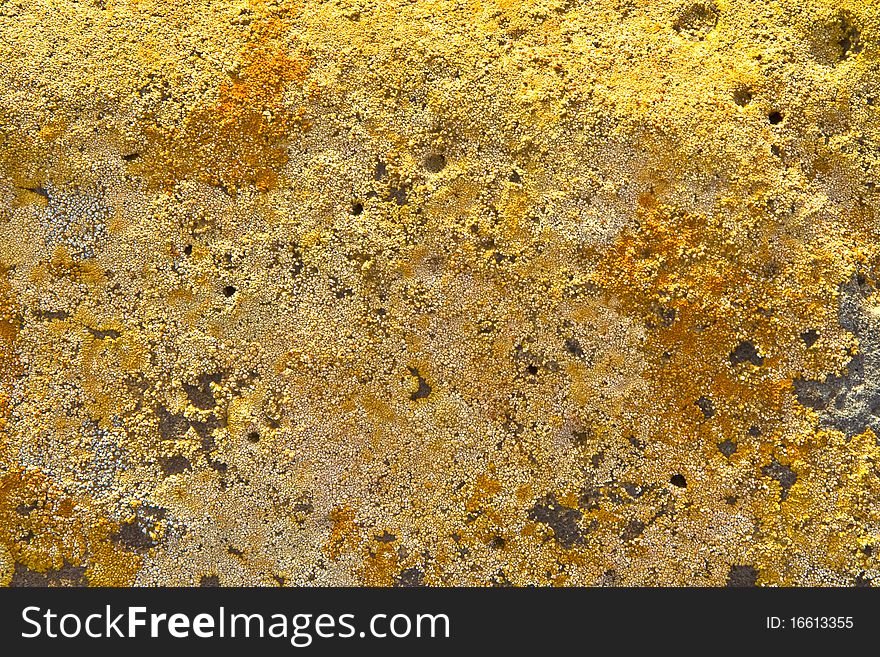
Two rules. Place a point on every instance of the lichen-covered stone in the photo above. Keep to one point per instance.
(439, 293)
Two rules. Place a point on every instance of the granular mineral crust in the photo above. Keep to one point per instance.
(546, 292)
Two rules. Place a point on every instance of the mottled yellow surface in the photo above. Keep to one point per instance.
(447, 293)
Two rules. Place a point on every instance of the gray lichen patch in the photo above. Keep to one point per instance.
(850, 401)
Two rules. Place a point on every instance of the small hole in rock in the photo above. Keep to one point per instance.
(775, 118)
(253, 437)
(228, 291)
(357, 208)
(188, 249)
(678, 480)
(514, 177)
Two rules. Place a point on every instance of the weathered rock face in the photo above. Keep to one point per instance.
(439, 293)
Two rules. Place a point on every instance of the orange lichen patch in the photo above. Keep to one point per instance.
(344, 532)
(9, 327)
(43, 529)
(485, 488)
(381, 565)
(240, 138)
(723, 310)
(9, 365)
(110, 564)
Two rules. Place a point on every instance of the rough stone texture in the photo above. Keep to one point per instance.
(439, 293)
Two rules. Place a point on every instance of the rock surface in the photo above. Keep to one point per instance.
(439, 293)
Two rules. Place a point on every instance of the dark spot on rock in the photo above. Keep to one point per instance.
(818, 395)
(666, 316)
(573, 347)
(706, 406)
(746, 352)
(609, 578)
(754, 431)
(386, 537)
(561, 519)
(742, 576)
(633, 490)
(200, 395)
(229, 290)
(380, 171)
(133, 537)
(775, 118)
(435, 163)
(217, 466)
(51, 315)
(678, 480)
(205, 430)
(397, 194)
(532, 369)
(424, 390)
(104, 334)
(209, 581)
(25, 509)
(781, 473)
(68, 575)
(234, 551)
(727, 447)
(357, 208)
(253, 437)
(514, 176)
(633, 529)
(742, 97)
(171, 426)
(731, 500)
(497, 543)
(862, 581)
(156, 512)
(810, 337)
(131, 157)
(172, 465)
(188, 249)
(590, 498)
(410, 577)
